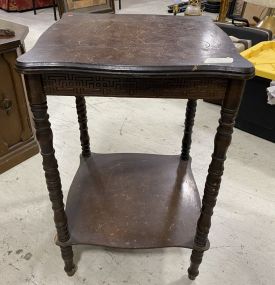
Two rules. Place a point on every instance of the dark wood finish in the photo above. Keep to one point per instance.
(44, 136)
(221, 143)
(134, 200)
(134, 44)
(34, 7)
(189, 122)
(17, 141)
(83, 127)
(54, 10)
(72, 84)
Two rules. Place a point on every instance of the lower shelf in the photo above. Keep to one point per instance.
(133, 201)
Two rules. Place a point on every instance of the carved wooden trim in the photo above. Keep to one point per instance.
(83, 127)
(91, 85)
(221, 143)
(45, 138)
(189, 123)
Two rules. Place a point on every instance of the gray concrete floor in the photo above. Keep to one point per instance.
(243, 231)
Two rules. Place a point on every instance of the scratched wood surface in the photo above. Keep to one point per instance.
(132, 44)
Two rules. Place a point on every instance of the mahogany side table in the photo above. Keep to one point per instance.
(134, 200)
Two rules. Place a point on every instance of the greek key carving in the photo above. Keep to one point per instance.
(77, 84)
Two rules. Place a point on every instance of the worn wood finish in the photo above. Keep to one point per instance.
(16, 41)
(78, 84)
(45, 138)
(17, 142)
(134, 44)
(188, 128)
(134, 200)
(221, 143)
(83, 127)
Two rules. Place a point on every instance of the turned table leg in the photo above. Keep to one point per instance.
(221, 143)
(188, 128)
(83, 127)
(44, 136)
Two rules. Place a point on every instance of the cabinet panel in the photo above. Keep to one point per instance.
(11, 125)
(17, 141)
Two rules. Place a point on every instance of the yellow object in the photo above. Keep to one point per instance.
(262, 56)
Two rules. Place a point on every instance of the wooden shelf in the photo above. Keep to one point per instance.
(133, 201)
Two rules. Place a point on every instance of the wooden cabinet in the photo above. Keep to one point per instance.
(17, 141)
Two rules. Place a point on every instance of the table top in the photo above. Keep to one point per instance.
(135, 44)
(20, 34)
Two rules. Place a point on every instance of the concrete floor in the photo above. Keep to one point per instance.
(243, 231)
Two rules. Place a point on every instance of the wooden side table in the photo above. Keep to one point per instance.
(134, 200)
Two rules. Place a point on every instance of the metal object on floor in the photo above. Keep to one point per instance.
(193, 8)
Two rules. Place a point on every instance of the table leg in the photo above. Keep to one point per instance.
(44, 135)
(221, 143)
(189, 123)
(54, 10)
(83, 127)
(45, 138)
(34, 7)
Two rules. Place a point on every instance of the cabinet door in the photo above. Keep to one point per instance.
(89, 6)
(15, 124)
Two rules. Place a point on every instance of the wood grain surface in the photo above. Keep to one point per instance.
(133, 201)
(110, 43)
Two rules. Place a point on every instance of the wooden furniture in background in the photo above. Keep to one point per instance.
(54, 8)
(23, 5)
(134, 200)
(87, 6)
(17, 141)
(223, 10)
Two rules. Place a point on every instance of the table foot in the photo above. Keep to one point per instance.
(72, 271)
(196, 259)
(67, 255)
(191, 277)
